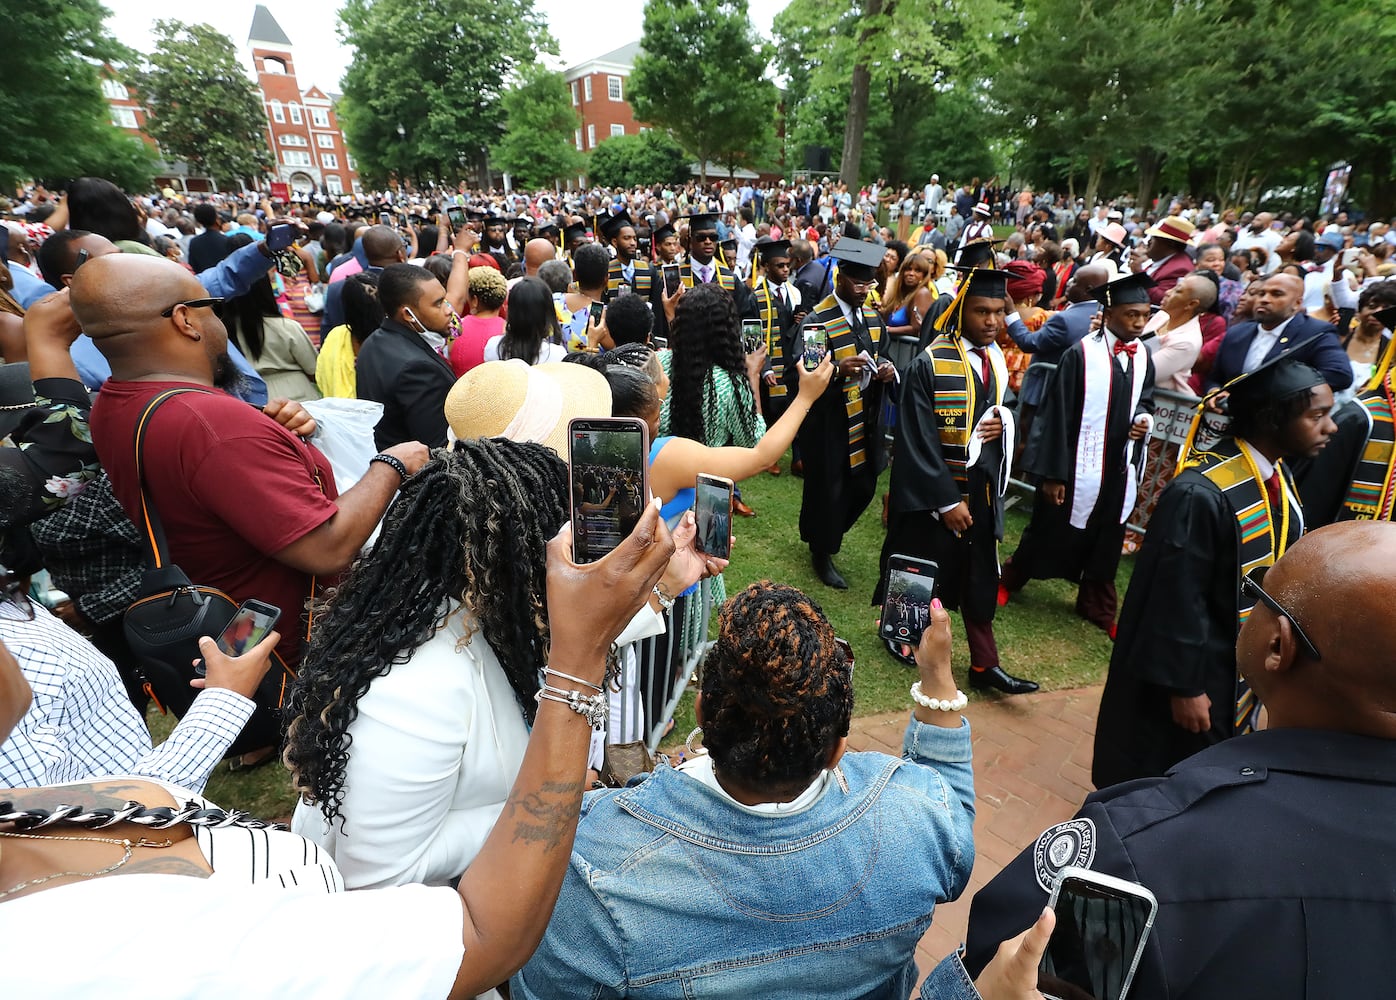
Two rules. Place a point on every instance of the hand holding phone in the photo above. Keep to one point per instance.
(816, 345)
(281, 235)
(672, 278)
(608, 460)
(1101, 928)
(712, 508)
(753, 335)
(906, 603)
(249, 626)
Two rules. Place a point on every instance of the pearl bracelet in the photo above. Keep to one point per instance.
(939, 704)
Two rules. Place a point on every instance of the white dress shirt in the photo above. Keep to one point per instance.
(1261, 345)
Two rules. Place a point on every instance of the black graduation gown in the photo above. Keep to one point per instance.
(834, 495)
(928, 325)
(785, 330)
(1177, 635)
(1325, 479)
(922, 483)
(1051, 547)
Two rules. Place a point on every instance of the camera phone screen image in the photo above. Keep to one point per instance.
(816, 346)
(247, 628)
(906, 611)
(607, 489)
(713, 512)
(753, 335)
(1095, 944)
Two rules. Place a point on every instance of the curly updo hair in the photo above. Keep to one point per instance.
(706, 343)
(777, 689)
(471, 527)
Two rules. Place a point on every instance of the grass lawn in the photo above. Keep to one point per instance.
(1039, 634)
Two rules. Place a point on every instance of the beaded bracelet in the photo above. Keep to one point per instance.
(939, 704)
(593, 708)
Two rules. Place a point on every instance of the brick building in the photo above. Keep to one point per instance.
(598, 88)
(302, 129)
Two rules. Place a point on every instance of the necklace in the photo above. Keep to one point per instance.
(127, 848)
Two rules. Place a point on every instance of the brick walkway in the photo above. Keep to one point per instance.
(1032, 768)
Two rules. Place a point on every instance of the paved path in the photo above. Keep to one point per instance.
(1032, 768)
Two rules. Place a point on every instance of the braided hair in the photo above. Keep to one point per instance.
(706, 343)
(472, 526)
(777, 689)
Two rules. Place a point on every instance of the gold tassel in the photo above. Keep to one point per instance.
(1382, 367)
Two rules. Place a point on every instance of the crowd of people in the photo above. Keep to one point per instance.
(355, 411)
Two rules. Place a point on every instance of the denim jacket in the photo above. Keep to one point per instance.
(676, 892)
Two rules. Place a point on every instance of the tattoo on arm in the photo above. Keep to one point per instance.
(166, 864)
(91, 795)
(548, 816)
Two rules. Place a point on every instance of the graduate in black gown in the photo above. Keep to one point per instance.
(1085, 453)
(954, 438)
(1172, 687)
(974, 254)
(841, 441)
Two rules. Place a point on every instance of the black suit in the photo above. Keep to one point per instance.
(1310, 340)
(397, 368)
(208, 250)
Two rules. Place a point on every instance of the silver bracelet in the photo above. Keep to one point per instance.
(593, 708)
(666, 603)
(939, 704)
(574, 680)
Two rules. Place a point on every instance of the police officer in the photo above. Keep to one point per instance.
(1268, 853)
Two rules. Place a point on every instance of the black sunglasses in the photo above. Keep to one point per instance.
(1250, 584)
(192, 304)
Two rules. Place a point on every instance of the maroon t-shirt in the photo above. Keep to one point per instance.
(231, 485)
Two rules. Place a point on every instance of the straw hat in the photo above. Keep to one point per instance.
(522, 402)
(1174, 227)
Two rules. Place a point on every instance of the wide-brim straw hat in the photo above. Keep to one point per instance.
(522, 402)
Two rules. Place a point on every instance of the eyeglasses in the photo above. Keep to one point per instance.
(847, 652)
(1250, 584)
(191, 304)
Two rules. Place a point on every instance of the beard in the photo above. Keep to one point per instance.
(226, 375)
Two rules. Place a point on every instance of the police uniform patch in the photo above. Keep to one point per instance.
(1066, 845)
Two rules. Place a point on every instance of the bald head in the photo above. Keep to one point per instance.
(1078, 289)
(1339, 584)
(538, 252)
(1191, 296)
(383, 246)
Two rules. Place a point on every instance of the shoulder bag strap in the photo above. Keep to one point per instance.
(158, 556)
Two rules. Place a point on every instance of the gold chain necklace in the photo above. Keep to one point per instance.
(127, 848)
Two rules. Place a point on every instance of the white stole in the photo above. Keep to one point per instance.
(976, 445)
(1098, 372)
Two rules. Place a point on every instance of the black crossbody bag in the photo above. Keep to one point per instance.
(164, 623)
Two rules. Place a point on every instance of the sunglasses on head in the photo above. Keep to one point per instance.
(205, 303)
(1251, 585)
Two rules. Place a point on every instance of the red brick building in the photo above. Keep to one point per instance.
(598, 88)
(302, 129)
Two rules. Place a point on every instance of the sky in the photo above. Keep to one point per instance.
(582, 29)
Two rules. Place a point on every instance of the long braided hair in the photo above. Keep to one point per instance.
(706, 343)
(472, 526)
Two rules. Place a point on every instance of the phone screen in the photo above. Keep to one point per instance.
(712, 509)
(1096, 944)
(249, 626)
(753, 335)
(385, 219)
(906, 608)
(671, 278)
(816, 345)
(607, 459)
(456, 217)
(661, 343)
(280, 236)
(595, 312)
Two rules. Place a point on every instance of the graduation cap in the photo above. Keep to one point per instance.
(856, 258)
(768, 249)
(474, 213)
(495, 220)
(1131, 289)
(574, 231)
(664, 232)
(985, 282)
(1279, 378)
(975, 253)
(702, 222)
(611, 225)
(547, 227)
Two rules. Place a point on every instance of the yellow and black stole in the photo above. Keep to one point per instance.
(1232, 469)
(722, 275)
(641, 284)
(770, 326)
(956, 403)
(1371, 494)
(843, 344)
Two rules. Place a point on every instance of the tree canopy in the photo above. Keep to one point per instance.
(701, 76)
(201, 107)
(538, 147)
(627, 160)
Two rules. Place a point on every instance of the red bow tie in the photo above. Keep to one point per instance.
(1122, 348)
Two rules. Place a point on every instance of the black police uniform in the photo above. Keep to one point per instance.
(1271, 857)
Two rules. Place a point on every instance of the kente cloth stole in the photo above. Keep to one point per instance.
(770, 325)
(644, 277)
(721, 276)
(1238, 478)
(956, 399)
(843, 344)
(1370, 496)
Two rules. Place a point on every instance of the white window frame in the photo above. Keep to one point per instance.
(614, 89)
(617, 130)
(320, 117)
(124, 118)
(349, 159)
(586, 88)
(296, 118)
(115, 89)
(291, 140)
(324, 140)
(591, 137)
(333, 184)
(296, 158)
(579, 139)
(575, 102)
(278, 112)
(329, 161)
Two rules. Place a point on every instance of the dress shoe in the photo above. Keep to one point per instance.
(999, 680)
(829, 574)
(741, 508)
(797, 468)
(773, 468)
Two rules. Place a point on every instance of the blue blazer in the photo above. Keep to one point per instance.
(1326, 354)
(1047, 345)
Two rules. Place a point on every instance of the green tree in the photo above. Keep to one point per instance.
(627, 160)
(538, 147)
(437, 70)
(202, 108)
(701, 75)
(56, 121)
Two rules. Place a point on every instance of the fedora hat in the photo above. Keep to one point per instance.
(522, 402)
(1175, 228)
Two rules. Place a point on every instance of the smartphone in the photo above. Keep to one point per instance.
(712, 508)
(385, 218)
(644, 246)
(249, 626)
(816, 345)
(1103, 923)
(281, 235)
(671, 278)
(753, 335)
(660, 343)
(456, 215)
(609, 482)
(906, 606)
(622, 289)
